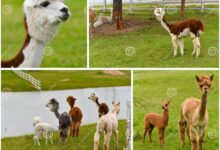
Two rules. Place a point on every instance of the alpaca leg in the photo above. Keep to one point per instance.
(74, 128)
(51, 139)
(193, 138)
(150, 133)
(77, 128)
(71, 129)
(160, 135)
(187, 132)
(182, 129)
(181, 45)
(201, 138)
(96, 140)
(116, 139)
(175, 46)
(46, 140)
(145, 132)
(192, 35)
(107, 140)
(163, 129)
(197, 42)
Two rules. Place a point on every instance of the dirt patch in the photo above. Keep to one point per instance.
(131, 25)
(114, 72)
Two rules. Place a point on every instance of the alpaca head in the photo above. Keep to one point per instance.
(53, 105)
(71, 100)
(93, 97)
(159, 13)
(43, 17)
(204, 82)
(116, 107)
(165, 105)
(36, 120)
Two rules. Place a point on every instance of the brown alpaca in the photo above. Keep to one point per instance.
(119, 23)
(194, 115)
(92, 19)
(160, 121)
(76, 116)
(102, 108)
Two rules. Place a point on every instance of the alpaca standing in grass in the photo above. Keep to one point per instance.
(103, 19)
(194, 115)
(76, 116)
(64, 119)
(152, 120)
(102, 108)
(42, 128)
(41, 21)
(179, 30)
(107, 124)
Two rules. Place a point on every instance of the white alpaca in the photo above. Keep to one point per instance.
(42, 128)
(107, 124)
(42, 19)
(179, 30)
(103, 19)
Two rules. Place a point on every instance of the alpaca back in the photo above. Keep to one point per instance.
(76, 114)
(64, 120)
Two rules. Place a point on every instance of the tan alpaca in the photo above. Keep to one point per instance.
(160, 121)
(194, 115)
(92, 19)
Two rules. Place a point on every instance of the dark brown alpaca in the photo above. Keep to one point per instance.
(152, 120)
(102, 108)
(75, 115)
(119, 23)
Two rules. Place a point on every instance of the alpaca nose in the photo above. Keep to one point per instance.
(64, 10)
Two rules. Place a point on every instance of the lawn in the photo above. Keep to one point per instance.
(59, 80)
(151, 88)
(150, 45)
(84, 142)
(68, 47)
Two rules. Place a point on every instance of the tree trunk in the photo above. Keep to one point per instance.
(182, 9)
(117, 6)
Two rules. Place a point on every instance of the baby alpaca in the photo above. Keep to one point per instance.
(42, 128)
(76, 116)
(152, 120)
(194, 115)
(189, 27)
(107, 124)
(102, 108)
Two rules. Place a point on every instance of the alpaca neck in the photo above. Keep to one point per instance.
(202, 110)
(33, 54)
(166, 116)
(165, 24)
(97, 103)
(57, 114)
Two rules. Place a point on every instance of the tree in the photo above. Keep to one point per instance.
(182, 9)
(117, 6)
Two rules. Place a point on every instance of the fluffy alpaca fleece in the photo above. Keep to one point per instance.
(189, 27)
(42, 18)
(152, 120)
(103, 19)
(64, 119)
(102, 108)
(107, 124)
(194, 115)
(42, 128)
(76, 116)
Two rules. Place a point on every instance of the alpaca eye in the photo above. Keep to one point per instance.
(45, 4)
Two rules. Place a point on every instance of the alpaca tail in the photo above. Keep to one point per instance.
(36, 120)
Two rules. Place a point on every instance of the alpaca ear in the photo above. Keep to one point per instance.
(118, 103)
(197, 78)
(211, 77)
(113, 102)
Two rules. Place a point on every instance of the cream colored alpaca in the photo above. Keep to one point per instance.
(103, 19)
(194, 115)
(42, 19)
(107, 124)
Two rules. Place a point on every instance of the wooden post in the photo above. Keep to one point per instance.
(182, 9)
(117, 6)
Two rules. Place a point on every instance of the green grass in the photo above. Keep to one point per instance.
(69, 45)
(84, 142)
(153, 47)
(150, 89)
(58, 80)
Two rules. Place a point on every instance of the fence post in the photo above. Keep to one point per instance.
(104, 7)
(131, 6)
(202, 6)
(163, 4)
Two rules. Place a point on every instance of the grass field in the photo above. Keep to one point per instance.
(69, 45)
(150, 45)
(84, 142)
(59, 80)
(151, 88)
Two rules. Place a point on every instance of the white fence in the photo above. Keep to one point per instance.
(132, 4)
(128, 126)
